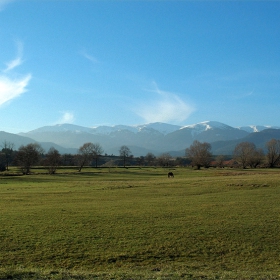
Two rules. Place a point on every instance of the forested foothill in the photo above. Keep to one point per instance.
(244, 155)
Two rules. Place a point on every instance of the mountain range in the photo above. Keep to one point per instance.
(156, 138)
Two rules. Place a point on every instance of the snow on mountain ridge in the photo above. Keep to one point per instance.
(257, 128)
(204, 126)
(207, 125)
(110, 129)
(162, 128)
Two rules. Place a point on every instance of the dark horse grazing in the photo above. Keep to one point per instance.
(170, 175)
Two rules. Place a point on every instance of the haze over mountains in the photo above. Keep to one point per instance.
(141, 139)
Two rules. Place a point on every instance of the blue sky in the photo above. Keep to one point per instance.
(133, 62)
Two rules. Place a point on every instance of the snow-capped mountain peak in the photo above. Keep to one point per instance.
(163, 128)
(206, 125)
(106, 130)
(151, 137)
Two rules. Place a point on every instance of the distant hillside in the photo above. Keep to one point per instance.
(18, 141)
(156, 138)
(258, 138)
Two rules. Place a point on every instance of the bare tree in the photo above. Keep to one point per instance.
(200, 154)
(256, 158)
(2, 162)
(109, 164)
(124, 153)
(140, 160)
(220, 161)
(85, 155)
(150, 158)
(273, 152)
(244, 153)
(52, 160)
(68, 160)
(97, 151)
(7, 150)
(164, 159)
(28, 156)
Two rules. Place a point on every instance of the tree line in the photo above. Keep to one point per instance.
(245, 154)
(198, 155)
(89, 154)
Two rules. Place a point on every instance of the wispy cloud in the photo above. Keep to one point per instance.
(3, 3)
(67, 117)
(11, 87)
(16, 61)
(164, 107)
(89, 57)
(242, 95)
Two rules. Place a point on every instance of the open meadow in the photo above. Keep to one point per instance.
(135, 223)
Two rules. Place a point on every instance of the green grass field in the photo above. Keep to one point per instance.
(137, 224)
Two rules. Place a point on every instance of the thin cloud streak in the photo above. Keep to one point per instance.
(166, 107)
(243, 95)
(13, 64)
(88, 56)
(17, 61)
